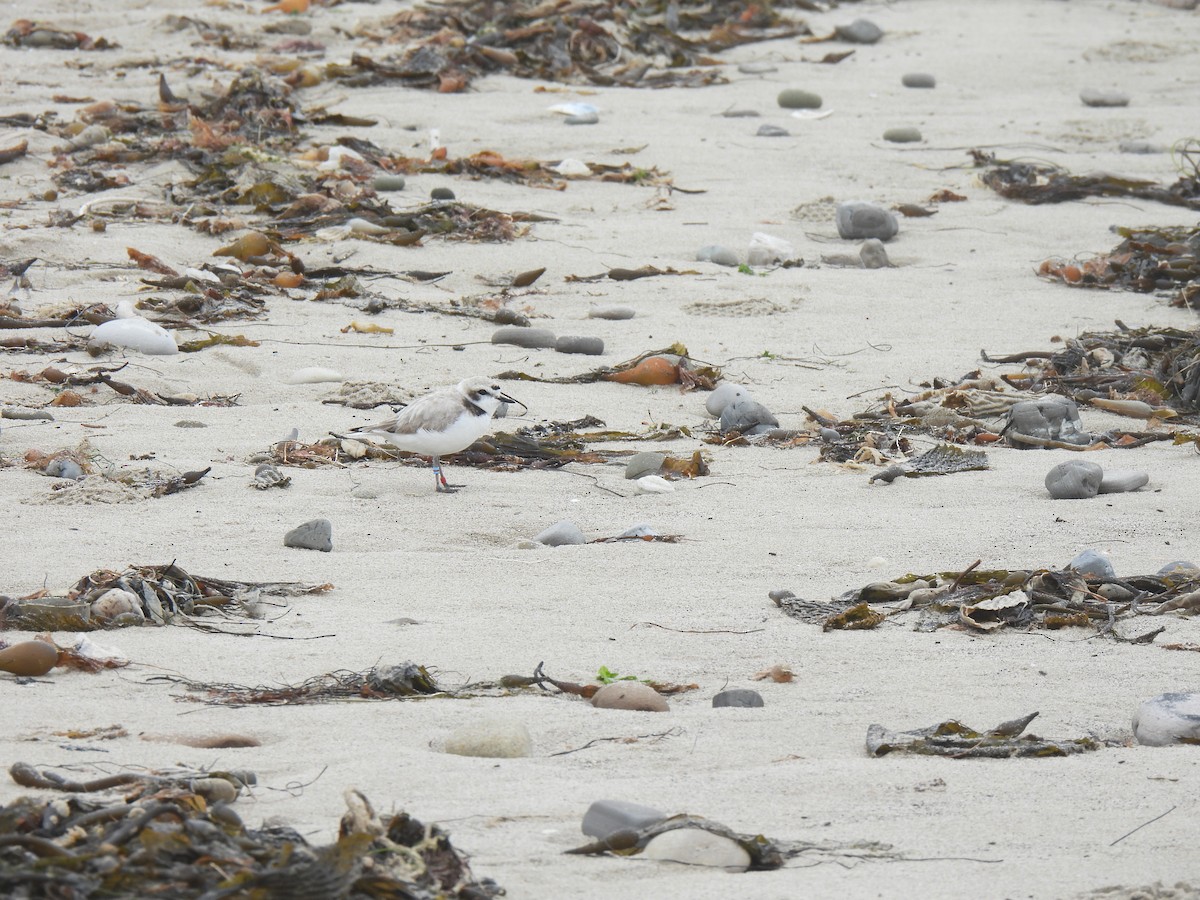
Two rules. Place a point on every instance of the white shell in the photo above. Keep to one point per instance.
(113, 603)
(654, 484)
(136, 333)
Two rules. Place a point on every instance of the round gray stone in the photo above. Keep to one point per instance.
(873, 254)
(64, 468)
(1093, 97)
(1052, 417)
(1180, 568)
(604, 817)
(524, 337)
(721, 396)
(648, 462)
(570, 343)
(717, 253)
(905, 134)
(858, 220)
(441, 193)
(611, 312)
(747, 416)
(315, 534)
(795, 98)
(918, 80)
(860, 31)
(1075, 479)
(738, 697)
(561, 534)
(1093, 562)
(388, 183)
(1117, 481)
(587, 118)
(767, 130)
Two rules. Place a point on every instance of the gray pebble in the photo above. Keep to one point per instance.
(190, 423)
(441, 193)
(858, 219)
(492, 739)
(721, 396)
(743, 697)
(561, 534)
(740, 114)
(772, 131)
(1049, 418)
(570, 343)
(747, 416)
(588, 118)
(757, 68)
(718, 254)
(604, 817)
(1180, 568)
(508, 316)
(388, 183)
(64, 468)
(611, 312)
(829, 435)
(1118, 481)
(1168, 719)
(860, 31)
(316, 534)
(266, 475)
(524, 337)
(918, 80)
(10, 412)
(1075, 479)
(794, 98)
(648, 462)
(641, 529)
(905, 134)
(873, 254)
(1092, 97)
(1092, 562)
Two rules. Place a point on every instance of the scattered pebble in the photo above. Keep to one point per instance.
(64, 468)
(570, 343)
(561, 534)
(115, 603)
(740, 114)
(654, 484)
(572, 168)
(1049, 418)
(1093, 97)
(493, 739)
(30, 659)
(757, 68)
(1118, 481)
(747, 416)
(629, 695)
(611, 312)
(1093, 562)
(604, 817)
(858, 220)
(313, 375)
(1075, 479)
(697, 847)
(648, 462)
(724, 394)
(266, 475)
(768, 250)
(794, 98)
(905, 134)
(441, 193)
(316, 534)
(873, 255)
(767, 130)
(860, 31)
(1180, 568)
(1168, 719)
(918, 80)
(388, 183)
(524, 337)
(718, 254)
(588, 118)
(829, 435)
(738, 697)
(29, 415)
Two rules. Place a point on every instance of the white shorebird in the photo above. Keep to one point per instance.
(441, 422)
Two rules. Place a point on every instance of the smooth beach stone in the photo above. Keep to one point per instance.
(918, 80)
(561, 534)
(587, 118)
(1049, 418)
(860, 31)
(1075, 479)
(641, 529)
(794, 98)
(493, 739)
(697, 847)
(316, 534)
(767, 130)
(858, 220)
(313, 375)
(1117, 481)
(873, 254)
(829, 435)
(135, 333)
(747, 415)
(654, 484)
(743, 697)
(1181, 569)
(441, 193)
(1093, 562)
(724, 394)
(616, 313)
(524, 337)
(570, 343)
(905, 134)
(1092, 97)
(64, 468)
(116, 602)
(388, 183)
(1168, 719)
(767, 250)
(604, 817)
(31, 659)
(629, 695)
(1138, 146)
(757, 68)
(718, 254)
(648, 462)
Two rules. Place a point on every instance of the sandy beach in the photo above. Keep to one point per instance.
(440, 579)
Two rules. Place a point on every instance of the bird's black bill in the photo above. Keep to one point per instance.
(504, 398)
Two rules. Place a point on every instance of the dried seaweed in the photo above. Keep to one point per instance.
(958, 741)
(406, 680)
(671, 365)
(943, 459)
(172, 842)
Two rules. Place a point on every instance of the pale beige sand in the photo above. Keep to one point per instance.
(1008, 75)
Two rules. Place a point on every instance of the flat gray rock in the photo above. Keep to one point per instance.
(918, 80)
(742, 697)
(604, 817)
(873, 254)
(1168, 719)
(1093, 97)
(1093, 562)
(746, 415)
(860, 31)
(767, 130)
(388, 183)
(561, 534)
(794, 98)
(859, 220)
(611, 312)
(1075, 479)
(717, 253)
(648, 462)
(315, 534)
(1117, 481)
(587, 345)
(905, 134)
(524, 337)
(1031, 423)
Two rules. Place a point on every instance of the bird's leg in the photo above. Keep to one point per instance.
(439, 480)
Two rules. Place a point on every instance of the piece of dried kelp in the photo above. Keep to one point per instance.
(671, 365)
(941, 460)
(958, 741)
(406, 680)
(856, 618)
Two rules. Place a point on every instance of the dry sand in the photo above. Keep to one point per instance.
(1008, 77)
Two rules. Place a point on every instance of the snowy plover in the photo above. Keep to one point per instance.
(444, 421)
